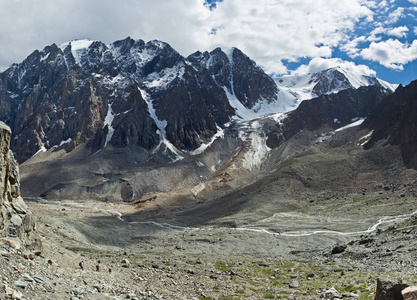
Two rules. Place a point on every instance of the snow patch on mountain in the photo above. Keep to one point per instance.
(161, 124)
(142, 56)
(357, 79)
(107, 122)
(354, 124)
(241, 111)
(363, 140)
(203, 147)
(79, 48)
(165, 77)
(67, 141)
(42, 149)
(258, 149)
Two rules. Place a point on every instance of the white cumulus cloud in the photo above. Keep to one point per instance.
(300, 28)
(267, 30)
(398, 31)
(391, 53)
(319, 64)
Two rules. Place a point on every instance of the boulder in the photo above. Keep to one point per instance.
(332, 294)
(389, 290)
(294, 284)
(409, 293)
(338, 249)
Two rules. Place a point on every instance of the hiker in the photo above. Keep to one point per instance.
(81, 264)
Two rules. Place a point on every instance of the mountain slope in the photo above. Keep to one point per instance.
(395, 121)
(332, 111)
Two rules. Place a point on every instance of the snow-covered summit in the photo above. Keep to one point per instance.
(78, 48)
(296, 88)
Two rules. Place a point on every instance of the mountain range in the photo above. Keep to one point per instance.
(123, 120)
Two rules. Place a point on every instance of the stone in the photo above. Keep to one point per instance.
(332, 294)
(26, 277)
(98, 288)
(77, 291)
(125, 261)
(409, 293)
(15, 243)
(20, 206)
(9, 291)
(389, 290)
(17, 295)
(20, 283)
(338, 249)
(40, 280)
(294, 284)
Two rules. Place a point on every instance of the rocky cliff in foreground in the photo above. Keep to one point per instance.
(16, 221)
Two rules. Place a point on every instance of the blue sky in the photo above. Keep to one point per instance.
(283, 36)
(384, 39)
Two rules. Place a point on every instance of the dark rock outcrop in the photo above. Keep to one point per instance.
(338, 249)
(395, 120)
(16, 221)
(389, 290)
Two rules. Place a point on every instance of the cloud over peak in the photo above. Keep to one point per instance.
(273, 33)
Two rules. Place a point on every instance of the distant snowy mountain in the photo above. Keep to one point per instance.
(132, 93)
(296, 88)
(97, 120)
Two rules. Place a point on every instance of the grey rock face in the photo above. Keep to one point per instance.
(15, 218)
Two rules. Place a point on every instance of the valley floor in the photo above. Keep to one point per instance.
(141, 258)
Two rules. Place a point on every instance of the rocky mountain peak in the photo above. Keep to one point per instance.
(233, 71)
(245, 70)
(328, 81)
